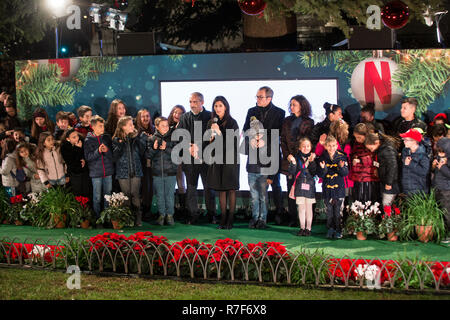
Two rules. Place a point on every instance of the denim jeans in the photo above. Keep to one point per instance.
(277, 193)
(101, 186)
(258, 191)
(165, 194)
(58, 182)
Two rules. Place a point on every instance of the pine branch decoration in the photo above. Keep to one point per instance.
(91, 68)
(39, 85)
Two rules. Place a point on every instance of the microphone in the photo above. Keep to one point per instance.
(215, 120)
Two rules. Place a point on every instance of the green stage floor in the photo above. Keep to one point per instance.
(208, 233)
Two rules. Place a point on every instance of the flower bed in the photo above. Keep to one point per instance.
(226, 259)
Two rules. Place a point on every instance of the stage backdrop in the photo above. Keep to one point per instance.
(349, 78)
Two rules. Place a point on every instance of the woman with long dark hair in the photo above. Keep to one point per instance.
(223, 176)
(295, 127)
(144, 125)
(174, 118)
(117, 110)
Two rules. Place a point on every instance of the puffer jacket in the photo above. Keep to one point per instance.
(441, 179)
(386, 156)
(364, 171)
(414, 175)
(128, 154)
(333, 185)
(290, 137)
(100, 164)
(53, 167)
(30, 171)
(8, 165)
(162, 165)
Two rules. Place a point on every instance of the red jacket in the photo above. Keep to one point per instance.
(364, 171)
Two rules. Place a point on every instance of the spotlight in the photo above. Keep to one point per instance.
(94, 13)
(58, 7)
(116, 19)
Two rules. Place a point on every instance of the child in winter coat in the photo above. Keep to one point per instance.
(49, 162)
(164, 170)
(363, 173)
(26, 158)
(9, 168)
(385, 149)
(303, 169)
(72, 151)
(128, 151)
(333, 169)
(441, 180)
(415, 163)
(99, 157)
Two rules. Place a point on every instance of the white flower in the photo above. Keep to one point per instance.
(369, 272)
(39, 250)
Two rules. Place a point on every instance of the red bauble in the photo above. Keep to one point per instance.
(252, 7)
(395, 14)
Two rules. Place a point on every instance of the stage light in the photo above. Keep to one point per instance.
(116, 19)
(63, 50)
(94, 13)
(58, 7)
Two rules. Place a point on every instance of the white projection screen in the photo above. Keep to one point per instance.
(241, 96)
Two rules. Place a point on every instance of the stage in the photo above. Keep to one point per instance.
(348, 247)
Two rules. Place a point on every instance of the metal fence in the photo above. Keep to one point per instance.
(262, 264)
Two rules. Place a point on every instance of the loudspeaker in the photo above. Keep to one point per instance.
(363, 38)
(135, 43)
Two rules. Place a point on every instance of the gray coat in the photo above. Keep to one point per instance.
(8, 165)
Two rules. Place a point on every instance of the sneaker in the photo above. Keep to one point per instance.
(169, 220)
(300, 233)
(307, 233)
(221, 227)
(330, 233)
(260, 224)
(160, 220)
(446, 240)
(252, 224)
(338, 235)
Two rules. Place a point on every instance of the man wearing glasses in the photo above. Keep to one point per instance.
(193, 169)
(272, 119)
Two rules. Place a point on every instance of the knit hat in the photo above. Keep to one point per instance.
(412, 134)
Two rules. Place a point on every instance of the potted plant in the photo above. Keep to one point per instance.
(54, 207)
(423, 217)
(390, 223)
(13, 212)
(117, 213)
(82, 215)
(361, 220)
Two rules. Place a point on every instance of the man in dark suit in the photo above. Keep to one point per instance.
(194, 169)
(272, 119)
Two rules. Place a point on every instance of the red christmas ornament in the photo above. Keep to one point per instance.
(395, 14)
(252, 7)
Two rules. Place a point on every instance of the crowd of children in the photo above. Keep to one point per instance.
(94, 157)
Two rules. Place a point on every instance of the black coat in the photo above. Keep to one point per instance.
(271, 117)
(162, 165)
(72, 156)
(187, 121)
(319, 129)
(306, 176)
(128, 154)
(225, 176)
(333, 184)
(291, 136)
(387, 157)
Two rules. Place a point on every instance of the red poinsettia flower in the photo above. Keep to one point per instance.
(396, 210)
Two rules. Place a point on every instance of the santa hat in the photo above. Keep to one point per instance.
(412, 134)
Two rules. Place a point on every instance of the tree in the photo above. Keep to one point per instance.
(22, 22)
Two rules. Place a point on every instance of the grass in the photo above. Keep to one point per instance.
(31, 284)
